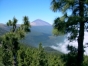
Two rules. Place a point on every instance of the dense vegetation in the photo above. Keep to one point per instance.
(74, 24)
(10, 41)
(30, 56)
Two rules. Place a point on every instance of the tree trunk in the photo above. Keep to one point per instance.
(80, 44)
(81, 34)
(15, 60)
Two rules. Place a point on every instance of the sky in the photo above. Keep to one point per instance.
(34, 9)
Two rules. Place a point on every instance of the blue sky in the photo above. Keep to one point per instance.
(34, 9)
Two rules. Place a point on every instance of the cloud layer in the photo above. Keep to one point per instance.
(62, 46)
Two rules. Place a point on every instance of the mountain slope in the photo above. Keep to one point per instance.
(42, 29)
(42, 34)
(39, 22)
(3, 29)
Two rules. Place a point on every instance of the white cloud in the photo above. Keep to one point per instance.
(62, 46)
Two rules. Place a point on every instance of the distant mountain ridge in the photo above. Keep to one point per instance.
(3, 29)
(39, 22)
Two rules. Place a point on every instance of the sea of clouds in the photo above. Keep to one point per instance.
(62, 46)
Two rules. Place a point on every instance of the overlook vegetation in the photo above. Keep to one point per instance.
(32, 56)
(74, 24)
(29, 56)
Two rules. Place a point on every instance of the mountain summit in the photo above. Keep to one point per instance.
(39, 22)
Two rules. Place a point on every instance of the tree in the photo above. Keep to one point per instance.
(75, 24)
(21, 56)
(7, 58)
(10, 41)
(70, 58)
(85, 63)
(41, 56)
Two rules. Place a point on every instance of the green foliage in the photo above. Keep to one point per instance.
(29, 56)
(10, 41)
(70, 59)
(74, 24)
(26, 24)
(68, 24)
(1, 64)
(85, 62)
(56, 32)
(7, 58)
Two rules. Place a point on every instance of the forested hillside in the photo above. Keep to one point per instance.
(39, 57)
(29, 56)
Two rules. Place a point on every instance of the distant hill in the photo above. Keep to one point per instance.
(39, 22)
(49, 49)
(3, 29)
(42, 29)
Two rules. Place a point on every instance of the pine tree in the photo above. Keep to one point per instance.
(75, 24)
(10, 41)
(41, 56)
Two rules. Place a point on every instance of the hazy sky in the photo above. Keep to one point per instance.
(34, 9)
